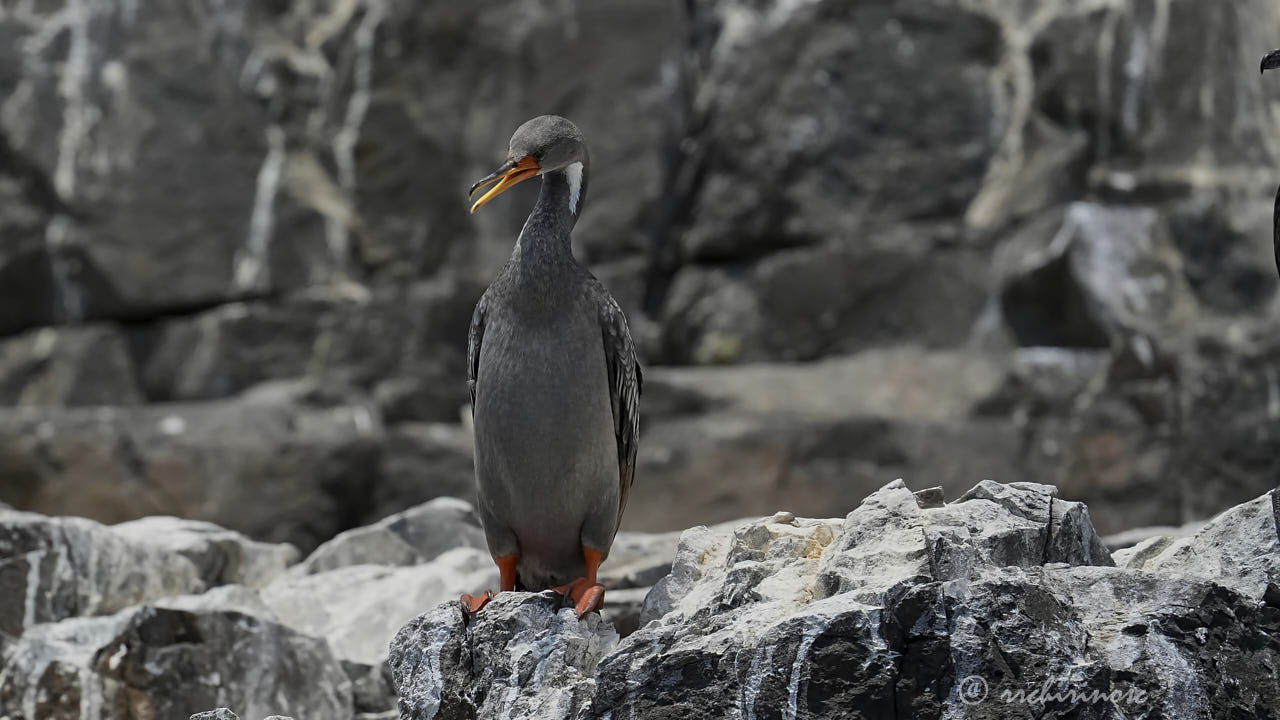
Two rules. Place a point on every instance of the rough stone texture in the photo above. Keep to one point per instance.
(399, 345)
(219, 714)
(87, 365)
(373, 696)
(421, 462)
(1227, 452)
(222, 556)
(359, 608)
(1094, 276)
(638, 560)
(892, 609)
(412, 537)
(904, 382)
(1239, 549)
(721, 466)
(446, 667)
(1128, 538)
(275, 471)
(1001, 604)
(52, 569)
(206, 197)
(170, 663)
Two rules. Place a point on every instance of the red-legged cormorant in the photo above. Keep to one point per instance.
(555, 387)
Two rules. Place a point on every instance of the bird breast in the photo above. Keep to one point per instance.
(542, 401)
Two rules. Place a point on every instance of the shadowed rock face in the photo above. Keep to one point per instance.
(909, 607)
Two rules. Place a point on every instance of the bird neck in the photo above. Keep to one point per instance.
(560, 202)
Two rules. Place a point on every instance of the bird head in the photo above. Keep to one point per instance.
(1271, 61)
(547, 143)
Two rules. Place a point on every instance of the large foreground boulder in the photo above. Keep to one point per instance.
(160, 662)
(1001, 604)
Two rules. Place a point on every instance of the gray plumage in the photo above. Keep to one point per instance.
(554, 382)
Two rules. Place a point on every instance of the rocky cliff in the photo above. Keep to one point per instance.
(970, 238)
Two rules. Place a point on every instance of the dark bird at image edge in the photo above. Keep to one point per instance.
(1271, 61)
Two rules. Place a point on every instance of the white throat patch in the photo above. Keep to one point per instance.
(573, 174)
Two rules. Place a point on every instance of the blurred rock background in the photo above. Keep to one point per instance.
(938, 239)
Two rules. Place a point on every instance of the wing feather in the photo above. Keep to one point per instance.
(475, 334)
(626, 381)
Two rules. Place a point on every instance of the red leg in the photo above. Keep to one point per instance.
(506, 583)
(590, 593)
(507, 572)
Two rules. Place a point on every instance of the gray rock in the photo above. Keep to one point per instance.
(1000, 603)
(1022, 525)
(223, 714)
(173, 663)
(905, 382)
(1217, 236)
(373, 693)
(68, 366)
(276, 201)
(1095, 276)
(1228, 441)
(805, 92)
(806, 303)
(219, 714)
(277, 472)
(222, 556)
(1238, 549)
(624, 609)
(52, 569)
(397, 344)
(1158, 137)
(720, 466)
(638, 560)
(411, 537)
(358, 609)
(1044, 380)
(423, 461)
(1126, 539)
(523, 656)
(29, 204)
(234, 598)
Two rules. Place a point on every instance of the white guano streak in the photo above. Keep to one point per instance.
(574, 174)
(344, 142)
(251, 263)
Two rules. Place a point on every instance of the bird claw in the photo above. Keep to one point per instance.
(473, 605)
(586, 597)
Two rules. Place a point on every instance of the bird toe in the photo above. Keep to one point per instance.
(473, 605)
(589, 598)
